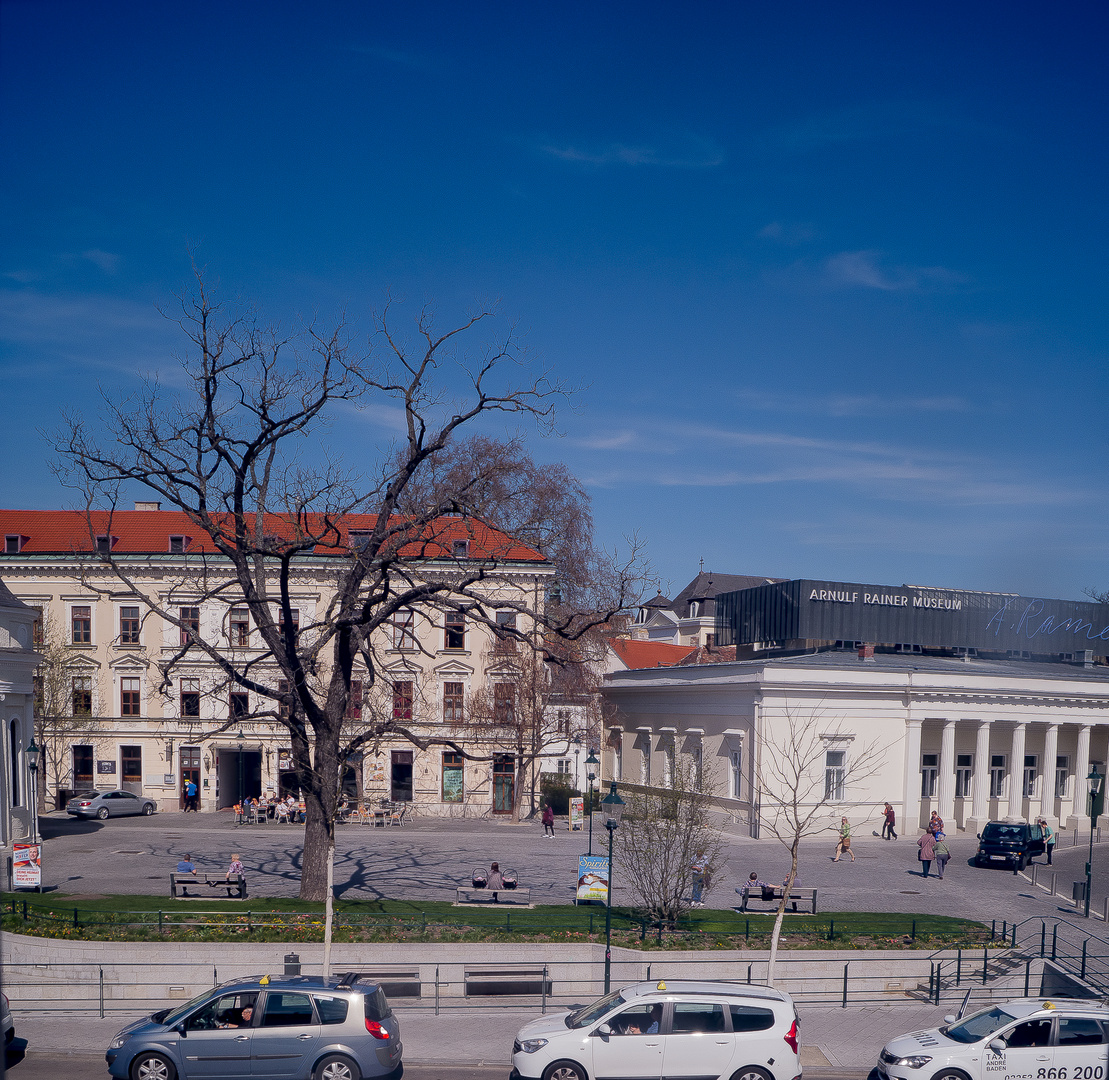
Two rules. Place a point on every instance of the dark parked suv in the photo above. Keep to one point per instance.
(300, 1028)
(1002, 843)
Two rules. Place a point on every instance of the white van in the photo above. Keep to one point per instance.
(693, 1030)
(1029, 1039)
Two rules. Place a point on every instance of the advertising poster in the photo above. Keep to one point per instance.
(577, 813)
(26, 866)
(592, 879)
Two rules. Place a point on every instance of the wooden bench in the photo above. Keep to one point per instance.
(237, 884)
(493, 982)
(774, 895)
(467, 894)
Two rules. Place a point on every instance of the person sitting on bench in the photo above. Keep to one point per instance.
(186, 866)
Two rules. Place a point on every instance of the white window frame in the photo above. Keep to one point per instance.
(1062, 775)
(736, 760)
(618, 759)
(929, 775)
(999, 776)
(964, 773)
(835, 774)
(1030, 776)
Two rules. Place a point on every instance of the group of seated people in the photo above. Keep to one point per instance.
(273, 807)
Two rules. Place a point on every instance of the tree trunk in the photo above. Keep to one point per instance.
(780, 917)
(319, 819)
(329, 907)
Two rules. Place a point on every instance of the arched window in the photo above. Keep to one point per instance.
(13, 743)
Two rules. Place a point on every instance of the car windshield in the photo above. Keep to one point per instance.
(179, 1014)
(978, 1026)
(591, 1013)
(1003, 832)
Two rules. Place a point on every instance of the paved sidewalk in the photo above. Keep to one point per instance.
(841, 1038)
(425, 860)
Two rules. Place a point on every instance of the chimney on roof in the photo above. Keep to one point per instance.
(148, 506)
(866, 652)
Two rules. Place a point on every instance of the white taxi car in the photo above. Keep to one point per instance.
(1029, 1039)
(678, 1030)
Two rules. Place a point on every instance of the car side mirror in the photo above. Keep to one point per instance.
(182, 1030)
(997, 1046)
(604, 1031)
(949, 1019)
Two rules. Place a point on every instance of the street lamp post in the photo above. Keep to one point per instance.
(613, 807)
(591, 763)
(31, 754)
(1094, 780)
(242, 785)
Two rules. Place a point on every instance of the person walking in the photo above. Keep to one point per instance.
(844, 840)
(891, 819)
(927, 852)
(935, 823)
(548, 820)
(942, 852)
(1049, 839)
(190, 796)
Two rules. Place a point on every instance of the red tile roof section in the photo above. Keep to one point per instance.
(648, 654)
(147, 532)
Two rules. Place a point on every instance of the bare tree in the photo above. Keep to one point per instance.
(664, 831)
(225, 452)
(801, 795)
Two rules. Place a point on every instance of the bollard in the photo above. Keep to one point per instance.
(1043, 932)
(747, 931)
(993, 929)
(544, 1009)
(649, 966)
(1084, 944)
(749, 966)
(1054, 875)
(1054, 940)
(985, 962)
(914, 929)
(959, 967)
(159, 922)
(215, 977)
(1105, 916)
(845, 986)
(74, 918)
(436, 989)
(939, 979)
(101, 993)
(1014, 935)
(1035, 867)
(832, 930)
(1027, 975)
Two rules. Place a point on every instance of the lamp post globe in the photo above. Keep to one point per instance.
(1094, 782)
(613, 808)
(591, 764)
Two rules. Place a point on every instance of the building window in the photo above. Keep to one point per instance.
(128, 697)
(104, 544)
(359, 538)
(36, 629)
(506, 626)
(1029, 785)
(562, 766)
(835, 773)
(38, 692)
(190, 697)
(294, 618)
(697, 757)
(82, 695)
(668, 762)
(460, 549)
(284, 710)
(177, 545)
(239, 702)
(453, 775)
(455, 627)
(81, 622)
(82, 767)
(1062, 771)
(402, 700)
(737, 774)
(453, 702)
(404, 630)
(354, 702)
(929, 775)
(694, 609)
(998, 772)
(618, 759)
(128, 626)
(239, 627)
(190, 623)
(12, 544)
(963, 770)
(504, 703)
(131, 762)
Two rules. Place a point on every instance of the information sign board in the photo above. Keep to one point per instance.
(592, 879)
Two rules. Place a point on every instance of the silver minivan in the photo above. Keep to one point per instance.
(679, 1030)
(298, 1028)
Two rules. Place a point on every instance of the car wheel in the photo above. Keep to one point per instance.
(336, 1067)
(751, 1072)
(565, 1070)
(1020, 863)
(147, 809)
(151, 1066)
(951, 1074)
(102, 813)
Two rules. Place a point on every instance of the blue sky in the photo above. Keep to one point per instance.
(834, 275)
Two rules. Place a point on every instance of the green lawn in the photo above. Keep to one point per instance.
(130, 917)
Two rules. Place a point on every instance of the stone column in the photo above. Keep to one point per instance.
(910, 810)
(980, 781)
(1016, 773)
(945, 785)
(1047, 775)
(1078, 818)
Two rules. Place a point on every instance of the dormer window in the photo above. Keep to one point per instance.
(12, 544)
(104, 544)
(460, 549)
(177, 545)
(359, 538)
(694, 609)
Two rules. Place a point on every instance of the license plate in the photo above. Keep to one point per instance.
(998, 858)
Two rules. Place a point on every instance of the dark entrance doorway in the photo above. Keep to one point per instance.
(190, 770)
(401, 785)
(232, 766)
(504, 783)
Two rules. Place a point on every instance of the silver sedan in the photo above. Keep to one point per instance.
(105, 804)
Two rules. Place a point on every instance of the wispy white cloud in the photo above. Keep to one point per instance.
(685, 151)
(103, 259)
(404, 58)
(863, 268)
(616, 440)
(852, 404)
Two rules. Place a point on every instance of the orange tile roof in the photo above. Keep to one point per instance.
(147, 532)
(648, 654)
